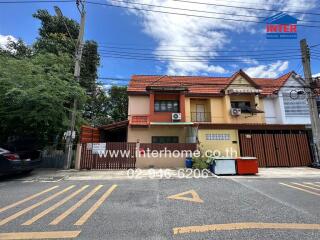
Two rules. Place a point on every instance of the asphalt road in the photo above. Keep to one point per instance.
(216, 208)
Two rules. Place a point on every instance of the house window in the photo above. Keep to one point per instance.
(296, 106)
(166, 106)
(218, 136)
(165, 139)
(245, 106)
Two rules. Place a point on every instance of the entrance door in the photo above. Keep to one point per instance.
(200, 113)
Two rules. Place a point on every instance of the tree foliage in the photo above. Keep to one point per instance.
(118, 103)
(37, 84)
(108, 106)
(35, 95)
(58, 34)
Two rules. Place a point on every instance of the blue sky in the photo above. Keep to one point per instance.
(168, 37)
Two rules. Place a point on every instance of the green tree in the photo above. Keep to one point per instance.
(117, 103)
(16, 49)
(35, 95)
(55, 37)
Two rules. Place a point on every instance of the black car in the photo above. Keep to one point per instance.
(11, 162)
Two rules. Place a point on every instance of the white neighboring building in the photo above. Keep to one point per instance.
(287, 107)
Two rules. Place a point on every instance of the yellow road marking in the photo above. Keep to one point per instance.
(55, 206)
(306, 186)
(39, 235)
(18, 214)
(312, 184)
(241, 226)
(27, 199)
(95, 206)
(301, 189)
(182, 196)
(74, 207)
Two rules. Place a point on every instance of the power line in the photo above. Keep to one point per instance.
(117, 79)
(265, 3)
(198, 11)
(189, 15)
(240, 7)
(197, 55)
(36, 1)
(238, 59)
(174, 50)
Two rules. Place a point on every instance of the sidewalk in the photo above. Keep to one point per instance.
(295, 172)
(53, 175)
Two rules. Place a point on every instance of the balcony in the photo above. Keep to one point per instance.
(140, 120)
(200, 116)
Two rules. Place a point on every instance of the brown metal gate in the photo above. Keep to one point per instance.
(277, 150)
(118, 155)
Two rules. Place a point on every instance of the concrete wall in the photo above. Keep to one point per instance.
(220, 145)
(273, 113)
(244, 117)
(218, 110)
(304, 119)
(160, 162)
(144, 135)
(275, 110)
(138, 105)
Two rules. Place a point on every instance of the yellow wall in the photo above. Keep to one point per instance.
(217, 110)
(193, 102)
(240, 83)
(220, 107)
(220, 145)
(145, 134)
(138, 105)
(244, 117)
(187, 109)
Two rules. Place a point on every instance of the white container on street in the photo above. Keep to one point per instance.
(224, 166)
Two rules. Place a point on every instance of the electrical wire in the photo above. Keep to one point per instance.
(105, 48)
(241, 7)
(115, 79)
(36, 1)
(189, 15)
(119, 56)
(199, 11)
(197, 55)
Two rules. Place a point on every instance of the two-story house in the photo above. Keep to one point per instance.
(238, 114)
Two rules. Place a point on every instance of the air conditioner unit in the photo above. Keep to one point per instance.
(235, 111)
(176, 116)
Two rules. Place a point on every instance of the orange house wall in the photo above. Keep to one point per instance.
(166, 116)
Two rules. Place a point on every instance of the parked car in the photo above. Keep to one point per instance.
(11, 162)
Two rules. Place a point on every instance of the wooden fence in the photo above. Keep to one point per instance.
(118, 155)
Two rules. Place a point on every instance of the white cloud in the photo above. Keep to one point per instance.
(106, 87)
(316, 75)
(271, 70)
(189, 35)
(4, 39)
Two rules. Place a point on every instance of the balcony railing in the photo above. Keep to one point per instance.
(201, 117)
(140, 120)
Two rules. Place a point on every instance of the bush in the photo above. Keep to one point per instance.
(200, 163)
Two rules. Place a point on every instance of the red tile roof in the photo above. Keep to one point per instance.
(203, 85)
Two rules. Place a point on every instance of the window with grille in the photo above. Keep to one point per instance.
(165, 139)
(295, 107)
(218, 136)
(166, 106)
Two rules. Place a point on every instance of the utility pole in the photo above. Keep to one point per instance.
(77, 68)
(314, 115)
